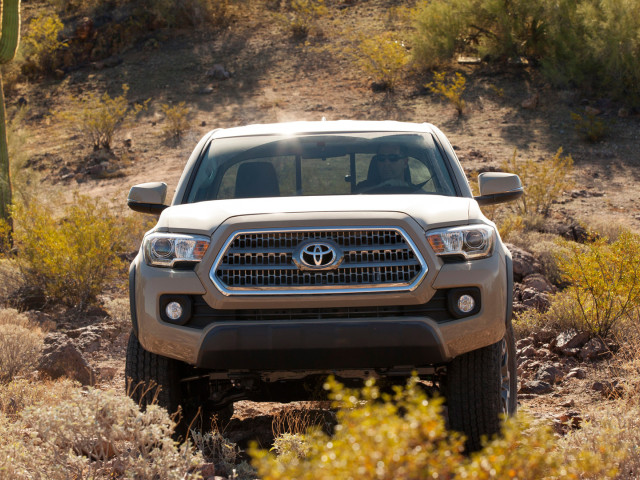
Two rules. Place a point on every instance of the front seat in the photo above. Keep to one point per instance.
(256, 179)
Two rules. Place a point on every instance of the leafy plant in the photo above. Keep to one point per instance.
(383, 57)
(543, 181)
(70, 258)
(41, 42)
(176, 120)
(403, 436)
(303, 16)
(604, 281)
(99, 117)
(449, 89)
(589, 126)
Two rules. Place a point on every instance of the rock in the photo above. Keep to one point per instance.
(594, 349)
(609, 388)
(568, 404)
(61, 358)
(534, 299)
(592, 111)
(206, 91)
(523, 342)
(543, 336)
(569, 339)
(623, 112)
(549, 374)
(218, 72)
(535, 387)
(523, 262)
(578, 373)
(528, 352)
(538, 282)
(531, 103)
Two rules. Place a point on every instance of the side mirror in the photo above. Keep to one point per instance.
(148, 197)
(498, 187)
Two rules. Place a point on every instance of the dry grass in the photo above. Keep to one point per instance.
(63, 431)
(21, 342)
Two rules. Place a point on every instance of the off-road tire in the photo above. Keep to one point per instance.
(154, 378)
(480, 388)
(151, 378)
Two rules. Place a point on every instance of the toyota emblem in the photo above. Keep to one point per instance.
(317, 255)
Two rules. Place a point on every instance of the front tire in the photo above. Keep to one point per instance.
(480, 388)
(153, 378)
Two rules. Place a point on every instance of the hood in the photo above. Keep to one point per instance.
(428, 210)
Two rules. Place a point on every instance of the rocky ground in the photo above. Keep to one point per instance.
(253, 72)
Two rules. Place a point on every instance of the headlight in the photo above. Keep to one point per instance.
(472, 241)
(167, 249)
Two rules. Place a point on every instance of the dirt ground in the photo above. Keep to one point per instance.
(274, 78)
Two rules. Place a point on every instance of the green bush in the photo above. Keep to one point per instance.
(600, 52)
(403, 436)
(604, 282)
(41, 42)
(543, 181)
(303, 15)
(72, 257)
(589, 127)
(99, 117)
(383, 57)
(449, 89)
(176, 121)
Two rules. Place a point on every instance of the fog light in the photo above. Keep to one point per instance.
(466, 303)
(174, 310)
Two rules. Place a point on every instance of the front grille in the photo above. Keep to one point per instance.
(436, 309)
(261, 262)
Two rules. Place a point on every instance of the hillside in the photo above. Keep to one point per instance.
(250, 69)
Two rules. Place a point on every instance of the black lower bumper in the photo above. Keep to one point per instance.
(321, 345)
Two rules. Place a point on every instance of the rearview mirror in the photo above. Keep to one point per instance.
(498, 187)
(148, 197)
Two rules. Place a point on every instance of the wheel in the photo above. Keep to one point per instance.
(153, 378)
(480, 388)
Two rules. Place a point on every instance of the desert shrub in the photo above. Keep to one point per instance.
(449, 89)
(70, 258)
(383, 57)
(217, 449)
(439, 30)
(20, 344)
(176, 122)
(543, 181)
(99, 117)
(303, 15)
(604, 281)
(41, 42)
(619, 424)
(589, 127)
(94, 434)
(600, 52)
(402, 436)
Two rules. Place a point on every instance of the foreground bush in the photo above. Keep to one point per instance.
(74, 433)
(70, 258)
(403, 436)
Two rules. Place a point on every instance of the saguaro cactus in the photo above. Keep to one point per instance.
(8, 46)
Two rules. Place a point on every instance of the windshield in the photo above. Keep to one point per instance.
(321, 164)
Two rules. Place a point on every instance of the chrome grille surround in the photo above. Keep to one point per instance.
(376, 259)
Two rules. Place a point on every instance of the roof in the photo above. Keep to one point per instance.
(337, 126)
